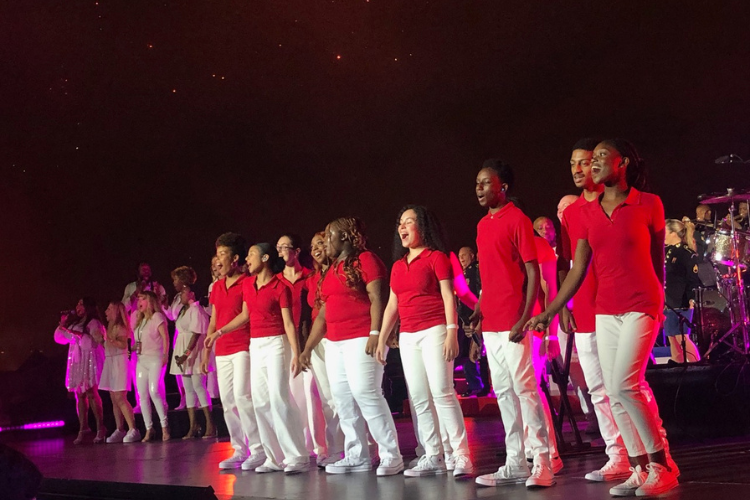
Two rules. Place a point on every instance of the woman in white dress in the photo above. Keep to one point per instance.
(116, 373)
(152, 347)
(84, 334)
(191, 323)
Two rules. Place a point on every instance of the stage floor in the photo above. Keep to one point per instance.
(716, 469)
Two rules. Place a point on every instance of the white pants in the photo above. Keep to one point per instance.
(195, 388)
(539, 360)
(150, 382)
(625, 342)
(279, 420)
(334, 438)
(575, 376)
(588, 358)
(305, 395)
(430, 381)
(212, 381)
(515, 385)
(356, 380)
(233, 375)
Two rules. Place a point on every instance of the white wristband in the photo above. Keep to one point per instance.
(219, 333)
(374, 333)
(452, 327)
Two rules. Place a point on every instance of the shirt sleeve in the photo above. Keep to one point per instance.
(198, 320)
(159, 318)
(525, 240)
(657, 215)
(566, 249)
(371, 267)
(285, 297)
(443, 268)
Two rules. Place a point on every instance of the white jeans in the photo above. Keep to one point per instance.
(150, 382)
(305, 395)
(430, 381)
(625, 342)
(279, 420)
(515, 385)
(588, 358)
(356, 380)
(334, 438)
(539, 360)
(195, 388)
(233, 375)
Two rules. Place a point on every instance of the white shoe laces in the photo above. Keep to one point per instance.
(462, 462)
(635, 480)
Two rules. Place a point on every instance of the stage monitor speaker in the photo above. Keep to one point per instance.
(69, 489)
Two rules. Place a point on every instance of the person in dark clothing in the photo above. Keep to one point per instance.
(477, 380)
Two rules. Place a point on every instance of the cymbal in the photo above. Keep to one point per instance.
(728, 196)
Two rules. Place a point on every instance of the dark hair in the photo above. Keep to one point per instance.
(355, 229)
(275, 263)
(635, 175)
(429, 228)
(502, 169)
(587, 143)
(91, 312)
(304, 257)
(235, 242)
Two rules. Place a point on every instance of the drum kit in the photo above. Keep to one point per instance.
(723, 326)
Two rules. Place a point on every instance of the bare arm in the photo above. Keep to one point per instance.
(317, 332)
(390, 315)
(450, 347)
(517, 333)
(291, 334)
(375, 294)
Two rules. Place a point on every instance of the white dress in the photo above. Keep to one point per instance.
(85, 355)
(193, 319)
(115, 375)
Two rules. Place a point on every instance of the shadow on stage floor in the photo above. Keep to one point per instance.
(716, 468)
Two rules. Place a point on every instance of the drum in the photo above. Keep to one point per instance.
(713, 316)
(722, 248)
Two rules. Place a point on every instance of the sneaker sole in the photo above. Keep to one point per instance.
(493, 482)
(660, 491)
(389, 472)
(622, 493)
(409, 473)
(457, 473)
(532, 486)
(347, 470)
(603, 479)
(238, 465)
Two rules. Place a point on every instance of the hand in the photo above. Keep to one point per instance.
(567, 321)
(475, 320)
(553, 349)
(381, 354)
(540, 322)
(295, 367)
(450, 347)
(468, 330)
(392, 341)
(204, 365)
(517, 333)
(210, 339)
(180, 359)
(372, 345)
(475, 352)
(303, 362)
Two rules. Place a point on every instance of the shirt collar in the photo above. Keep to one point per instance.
(426, 253)
(500, 212)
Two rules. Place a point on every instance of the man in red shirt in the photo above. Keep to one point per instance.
(584, 324)
(510, 282)
(233, 355)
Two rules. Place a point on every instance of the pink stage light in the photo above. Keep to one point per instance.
(37, 425)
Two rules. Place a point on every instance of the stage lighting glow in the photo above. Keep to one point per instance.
(37, 425)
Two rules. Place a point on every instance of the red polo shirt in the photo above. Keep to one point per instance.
(584, 301)
(311, 285)
(296, 288)
(228, 304)
(265, 305)
(348, 309)
(417, 287)
(505, 241)
(621, 247)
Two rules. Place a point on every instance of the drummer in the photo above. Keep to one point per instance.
(681, 265)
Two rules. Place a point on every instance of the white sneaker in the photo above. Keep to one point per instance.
(233, 462)
(323, 461)
(415, 461)
(133, 436)
(267, 467)
(462, 466)
(427, 466)
(254, 461)
(635, 481)
(507, 474)
(349, 464)
(117, 436)
(296, 468)
(391, 466)
(450, 461)
(556, 464)
(613, 470)
(659, 480)
(541, 477)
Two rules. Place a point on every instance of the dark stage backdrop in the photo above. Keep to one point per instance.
(141, 130)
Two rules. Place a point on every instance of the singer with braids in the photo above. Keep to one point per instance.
(350, 316)
(623, 239)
